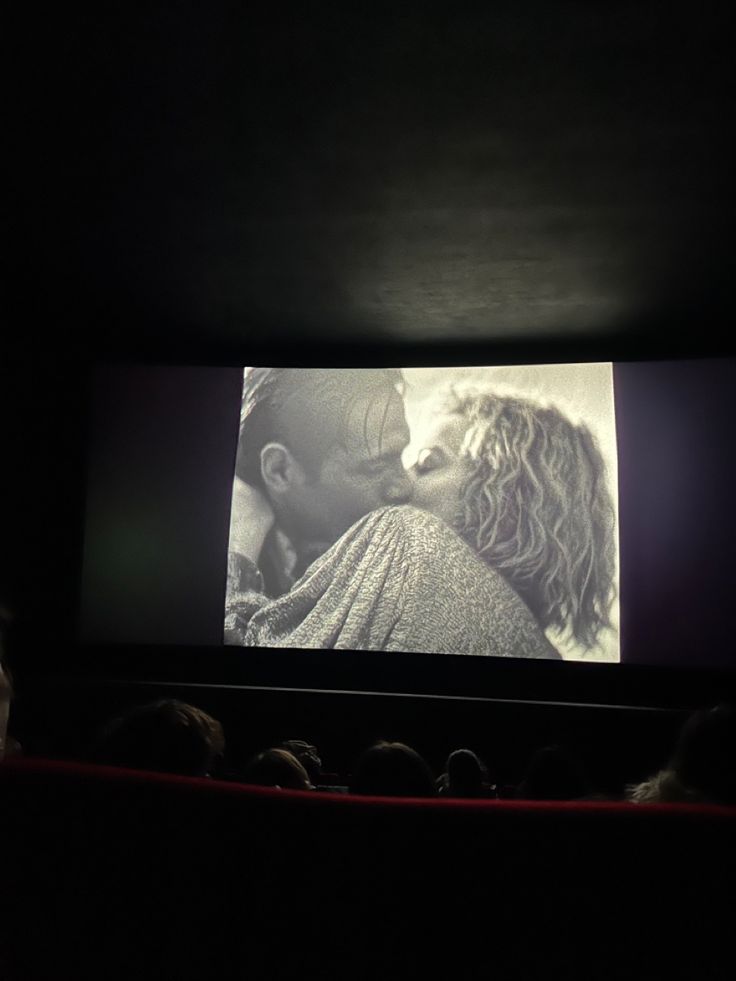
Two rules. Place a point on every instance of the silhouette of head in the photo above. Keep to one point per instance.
(392, 770)
(307, 756)
(168, 736)
(277, 768)
(465, 774)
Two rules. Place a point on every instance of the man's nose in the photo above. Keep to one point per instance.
(400, 490)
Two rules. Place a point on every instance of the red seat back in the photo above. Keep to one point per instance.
(128, 873)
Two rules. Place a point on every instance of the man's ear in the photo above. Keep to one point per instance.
(279, 469)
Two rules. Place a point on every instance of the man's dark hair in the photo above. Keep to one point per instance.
(392, 770)
(277, 768)
(278, 406)
(465, 774)
(307, 755)
(167, 736)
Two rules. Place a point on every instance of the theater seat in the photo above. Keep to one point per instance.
(114, 873)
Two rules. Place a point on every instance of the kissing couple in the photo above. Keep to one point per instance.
(499, 535)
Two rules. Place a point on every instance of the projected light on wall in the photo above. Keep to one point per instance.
(431, 510)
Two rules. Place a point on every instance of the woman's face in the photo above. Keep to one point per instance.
(439, 471)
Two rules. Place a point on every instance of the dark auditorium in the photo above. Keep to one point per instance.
(368, 398)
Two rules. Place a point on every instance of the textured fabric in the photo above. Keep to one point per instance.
(398, 580)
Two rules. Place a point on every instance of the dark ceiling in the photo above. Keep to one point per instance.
(195, 177)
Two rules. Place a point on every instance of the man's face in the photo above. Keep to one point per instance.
(359, 472)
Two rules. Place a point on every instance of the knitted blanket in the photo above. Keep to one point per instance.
(398, 580)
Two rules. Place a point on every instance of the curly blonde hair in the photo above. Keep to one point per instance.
(537, 508)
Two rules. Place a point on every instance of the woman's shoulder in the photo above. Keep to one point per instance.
(433, 548)
(415, 525)
(441, 569)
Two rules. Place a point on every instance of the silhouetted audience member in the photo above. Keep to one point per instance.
(465, 776)
(553, 773)
(277, 768)
(392, 770)
(702, 768)
(167, 736)
(308, 756)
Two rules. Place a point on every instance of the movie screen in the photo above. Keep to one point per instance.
(459, 511)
